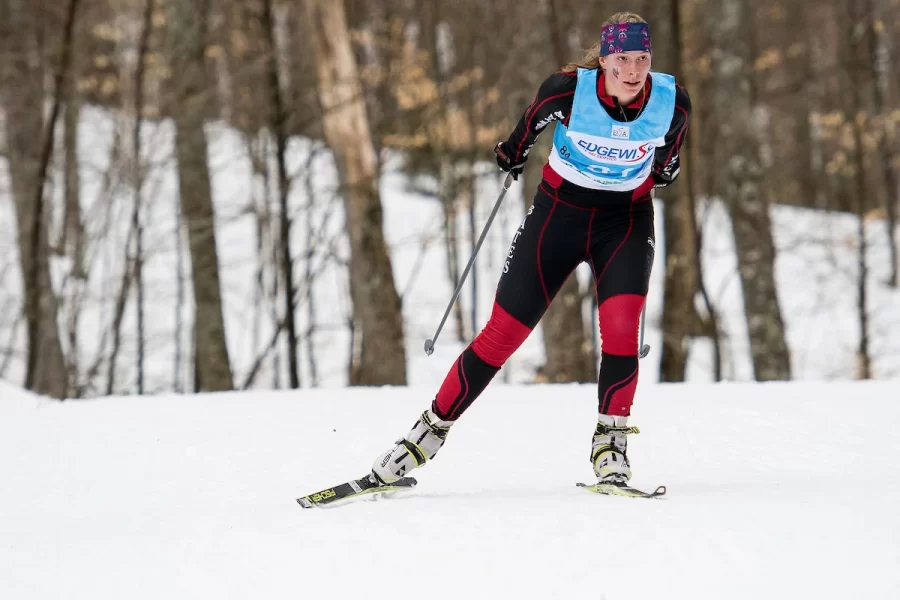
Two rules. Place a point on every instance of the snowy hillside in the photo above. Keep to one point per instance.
(775, 491)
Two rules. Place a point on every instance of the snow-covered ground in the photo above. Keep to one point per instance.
(774, 491)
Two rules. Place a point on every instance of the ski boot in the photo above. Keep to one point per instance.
(609, 449)
(412, 451)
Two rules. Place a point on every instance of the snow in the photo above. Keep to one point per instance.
(778, 490)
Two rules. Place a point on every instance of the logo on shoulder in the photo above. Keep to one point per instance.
(556, 116)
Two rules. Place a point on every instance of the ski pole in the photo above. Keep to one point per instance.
(429, 344)
(645, 348)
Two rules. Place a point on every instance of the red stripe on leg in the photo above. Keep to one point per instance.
(620, 318)
(501, 336)
(478, 364)
(452, 389)
(620, 397)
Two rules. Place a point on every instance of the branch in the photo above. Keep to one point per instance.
(254, 369)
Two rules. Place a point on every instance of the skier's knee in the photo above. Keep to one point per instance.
(501, 336)
(619, 321)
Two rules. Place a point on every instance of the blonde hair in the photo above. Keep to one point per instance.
(591, 58)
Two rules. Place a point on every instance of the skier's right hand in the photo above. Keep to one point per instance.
(504, 160)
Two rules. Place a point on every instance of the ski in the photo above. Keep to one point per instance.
(622, 489)
(364, 486)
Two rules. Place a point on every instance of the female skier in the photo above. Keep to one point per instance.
(619, 129)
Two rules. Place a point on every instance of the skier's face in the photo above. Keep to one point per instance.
(626, 73)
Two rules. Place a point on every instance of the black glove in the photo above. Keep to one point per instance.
(658, 182)
(663, 179)
(505, 161)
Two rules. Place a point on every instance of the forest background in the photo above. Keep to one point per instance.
(202, 195)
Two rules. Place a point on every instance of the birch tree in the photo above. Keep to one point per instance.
(379, 356)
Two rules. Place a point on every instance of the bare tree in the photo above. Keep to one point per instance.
(29, 156)
(858, 108)
(118, 315)
(278, 125)
(180, 293)
(72, 235)
(680, 320)
(380, 357)
(741, 120)
(133, 273)
(440, 50)
(309, 254)
(72, 242)
(569, 352)
(137, 181)
(879, 57)
(782, 115)
(187, 28)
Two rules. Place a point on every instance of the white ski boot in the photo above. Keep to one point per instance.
(609, 449)
(414, 450)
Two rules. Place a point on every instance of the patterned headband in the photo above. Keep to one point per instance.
(625, 37)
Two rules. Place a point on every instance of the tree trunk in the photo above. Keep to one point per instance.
(863, 351)
(137, 183)
(309, 254)
(879, 58)
(72, 238)
(801, 103)
(379, 357)
(278, 124)
(30, 144)
(556, 35)
(698, 24)
(469, 192)
(447, 198)
(187, 23)
(569, 352)
(180, 293)
(73, 230)
(444, 157)
(46, 369)
(741, 136)
(679, 318)
(858, 109)
(118, 315)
